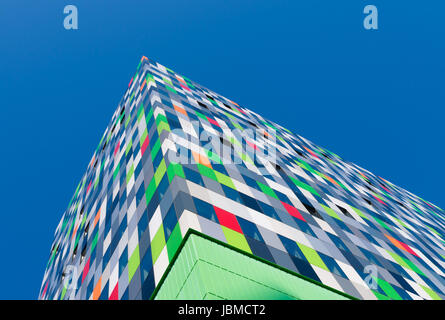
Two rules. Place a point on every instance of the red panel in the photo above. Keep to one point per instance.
(240, 110)
(89, 185)
(213, 121)
(252, 145)
(312, 153)
(44, 290)
(115, 294)
(144, 145)
(293, 211)
(401, 245)
(117, 148)
(86, 269)
(227, 219)
(379, 200)
(407, 248)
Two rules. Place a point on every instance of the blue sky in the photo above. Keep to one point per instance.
(376, 98)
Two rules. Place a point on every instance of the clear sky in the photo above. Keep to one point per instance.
(376, 97)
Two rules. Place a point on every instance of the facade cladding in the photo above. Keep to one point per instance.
(274, 195)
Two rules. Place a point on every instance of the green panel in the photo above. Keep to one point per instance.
(162, 124)
(150, 190)
(158, 243)
(213, 156)
(388, 289)
(304, 186)
(236, 239)
(174, 169)
(94, 243)
(361, 214)
(200, 115)
(225, 180)
(116, 171)
(380, 296)
(431, 293)
(204, 268)
(144, 135)
(155, 149)
(63, 293)
(383, 224)
(312, 256)
(130, 173)
(160, 171)
(267, 190)
(206, 171)
(330, 212)
(133, 263)
(405, 262)
(174, 241)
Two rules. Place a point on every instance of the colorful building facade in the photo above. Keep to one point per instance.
(178, 157)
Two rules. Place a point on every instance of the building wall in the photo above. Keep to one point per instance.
(177, 156)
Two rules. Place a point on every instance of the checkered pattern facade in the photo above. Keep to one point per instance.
(308, 210)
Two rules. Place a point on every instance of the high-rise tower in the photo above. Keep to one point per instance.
(189, 195)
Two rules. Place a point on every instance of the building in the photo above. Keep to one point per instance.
(189, 195)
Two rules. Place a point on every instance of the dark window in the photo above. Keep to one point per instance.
(85, 232)
(84, 252)
(311, 209)
(203, 105)
(344, 211)
(250, 202)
